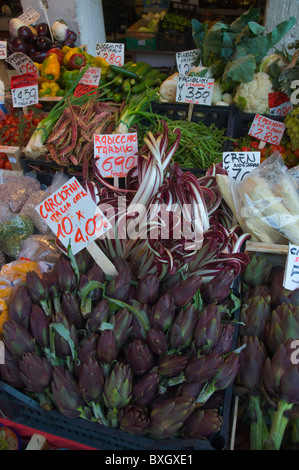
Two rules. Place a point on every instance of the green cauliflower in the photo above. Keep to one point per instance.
(13, 233)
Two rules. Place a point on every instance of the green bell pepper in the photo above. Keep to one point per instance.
(69, 77)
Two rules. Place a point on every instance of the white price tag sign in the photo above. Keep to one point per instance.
(22, 63)
(24, 90)
(291, 272)
(185, 60)
(29, 16)
(282, 110)
(73, 216)
(239, 164)
(113, 53)
(3, 49)
(267, 130)
(196, 90)
(115, 154)
(92, 76)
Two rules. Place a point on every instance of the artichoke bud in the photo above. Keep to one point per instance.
(66, 392)
(66, 337)
(181, 332)
(66, 277)
(37, 288)
(98, 315)
(218, 288)
(139, 356)
(172, 365)
(36, 372)
(119, 287)
(133, 419)
(17, 339)
(252, 363)
(84, 261)
(39, 326)
(145, 388)
(207, 329)
(202, 424)
(107, 349)
(148, 289)
(118, 387)
(20, 306)
(71, 309)
(184, 291)
(203, 368)
(157, 341)
(122, 321)
(91, 380)
(163, 313)
(168, 416)
(10, 371)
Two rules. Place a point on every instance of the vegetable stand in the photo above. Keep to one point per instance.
(152, 355)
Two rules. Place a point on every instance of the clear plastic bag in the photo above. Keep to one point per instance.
(14, 193)
(267, 200)
(40, 248)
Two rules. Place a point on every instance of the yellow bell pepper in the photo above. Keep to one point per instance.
(48, 89)
(99, 62)
(38, 66)
(51, 68)
(69, 53)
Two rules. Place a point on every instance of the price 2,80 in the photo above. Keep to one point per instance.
(112, 59)
(267, 137)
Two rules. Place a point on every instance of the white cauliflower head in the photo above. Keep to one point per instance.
(255, 93)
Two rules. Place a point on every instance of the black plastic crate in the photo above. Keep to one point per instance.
(21, 409)
(240, 124)
(221, 116)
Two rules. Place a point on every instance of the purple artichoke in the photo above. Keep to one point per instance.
(91, 380)
(20, 306)
(107, 349)
(148, 289)
(207, 329)
(145, 388)
(168, 416)
(163, 313)
(17, 339)
(66, 392)
(36, 372)
(172, 365)
(202, 424)
(139, 356)
(157, 341)
(133, 419)
(181, 332)
(39, 326)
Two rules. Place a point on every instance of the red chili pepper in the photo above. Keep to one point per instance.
(58, 52)
(76, 61)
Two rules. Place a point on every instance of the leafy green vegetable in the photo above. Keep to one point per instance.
(239, 46)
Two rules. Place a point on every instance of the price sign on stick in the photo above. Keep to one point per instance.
(196, 90)
(185, 60)
(73, 216)
(113, 53)
(279, 104)
(266, 129)
(291, 273)
(89, 81)
(29, 16)
(239, 164)
(22, 63)
(24, 90)
(115, 154)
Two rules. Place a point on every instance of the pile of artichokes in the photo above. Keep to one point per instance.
(268, 380)
(143, 356)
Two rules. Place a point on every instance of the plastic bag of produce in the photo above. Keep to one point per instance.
(267, 201)
(29, 209)
(40, 248)
(14, 193)
(13, 233)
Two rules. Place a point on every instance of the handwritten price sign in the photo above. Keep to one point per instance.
(89, 82)
(113, 53)
(24, 90)
(266, 129)
(29, 16)
(22, 63)
(73, 216)
(186, 60)
(291, 273)
(115, 154)
(279, 104)
(3, 49)
(239, 164)
(196, 90)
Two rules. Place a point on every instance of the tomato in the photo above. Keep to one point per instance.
(277, 148)
(291, 160)
(2, 164)
(245, 149)
(264, 152)
(9, 439)
(7, 165)
(38, 105)
(254, 144)
(296, 152)
(3, 155)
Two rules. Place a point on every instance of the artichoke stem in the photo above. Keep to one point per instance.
(57, 304)
(206, 392)
(86, 307)
(113, 415)
(46, 307)
(278, 426)
(257, 425)
(98, 412)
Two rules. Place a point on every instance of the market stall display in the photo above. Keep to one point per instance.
(152, 356)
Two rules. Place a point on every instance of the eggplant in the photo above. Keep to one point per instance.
(31, 49)
(25, 33)
(57, 45)
(18, 45)
(72, 35)
(69, 42)
(43, 43)
(38, 56)
(43, 30)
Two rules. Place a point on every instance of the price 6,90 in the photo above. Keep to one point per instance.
(92, 225)
(121, 163)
